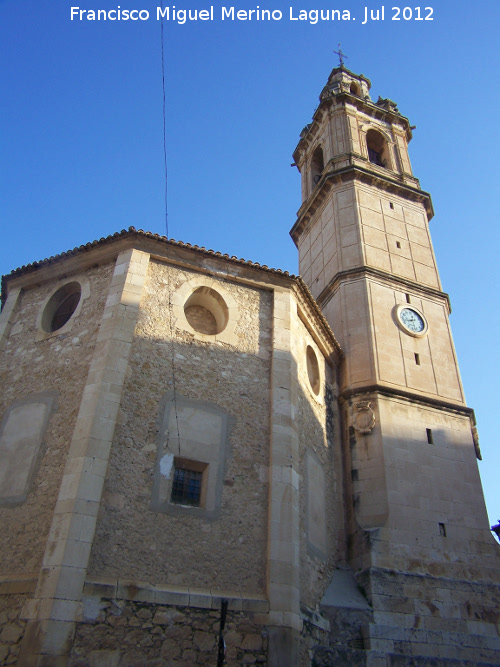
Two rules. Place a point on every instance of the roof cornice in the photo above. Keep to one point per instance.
(160, 248)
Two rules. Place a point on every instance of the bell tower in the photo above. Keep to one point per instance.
(414, 502)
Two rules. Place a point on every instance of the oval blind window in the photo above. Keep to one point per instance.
(61, 307)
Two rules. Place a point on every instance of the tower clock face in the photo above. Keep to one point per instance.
(412, 321)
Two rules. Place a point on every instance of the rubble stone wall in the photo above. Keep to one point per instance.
(126, 633)
(13, 594)
(30, 364)
(132, 540)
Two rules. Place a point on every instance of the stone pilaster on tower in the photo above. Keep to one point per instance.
(409, 440)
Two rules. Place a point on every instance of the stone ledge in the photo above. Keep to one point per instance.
(15, 584)
(171, 594)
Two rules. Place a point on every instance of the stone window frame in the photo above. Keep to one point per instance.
(189, 465)
(182, 294)
(389, 146)
(355, 89)
(317, 165)
(319, 398)
(312, 367)
(213, 304)
(84, 283)
(213, 470)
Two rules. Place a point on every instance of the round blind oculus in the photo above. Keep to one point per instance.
(206, 311)
(61, 306)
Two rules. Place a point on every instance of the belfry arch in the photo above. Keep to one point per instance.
(317, 166)
(378, 150)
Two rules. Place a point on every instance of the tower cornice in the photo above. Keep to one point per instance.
(384, 276)
(357, 172)
(413, 397)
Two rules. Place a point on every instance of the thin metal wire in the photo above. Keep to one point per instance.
(169, 290)
(164, 121)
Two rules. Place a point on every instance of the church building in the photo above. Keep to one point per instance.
(205, 461)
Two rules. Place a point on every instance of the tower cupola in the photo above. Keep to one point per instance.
(341, 80)
(350, 131)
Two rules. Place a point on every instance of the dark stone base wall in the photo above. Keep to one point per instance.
(432, 617)
(11, 628)
(130, 634)
(14, 592)
(311, 637)
(415, 620)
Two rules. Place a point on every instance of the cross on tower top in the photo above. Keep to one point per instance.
(341, 56)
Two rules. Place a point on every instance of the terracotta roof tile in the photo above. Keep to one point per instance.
(139, 232)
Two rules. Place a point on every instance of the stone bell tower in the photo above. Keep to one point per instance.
(414, 502)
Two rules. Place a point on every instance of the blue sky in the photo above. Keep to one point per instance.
(82, 151)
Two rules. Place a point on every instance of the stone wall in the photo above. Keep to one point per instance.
(423, 615)
(314, 634)
(138, 543)
(320, 473)
(126, 632)
(13, 594)
(32, 363)
(438, 521)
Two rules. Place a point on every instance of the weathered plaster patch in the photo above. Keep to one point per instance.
(165, 465)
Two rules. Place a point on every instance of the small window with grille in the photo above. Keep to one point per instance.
(188, 483)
